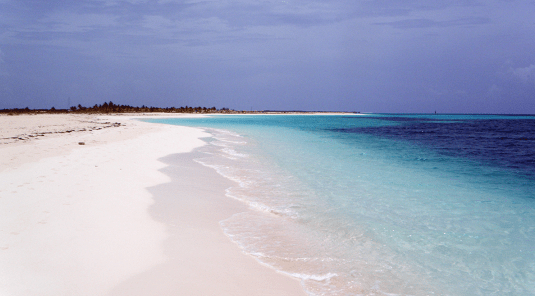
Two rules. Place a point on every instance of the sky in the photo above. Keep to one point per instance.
(411, 56)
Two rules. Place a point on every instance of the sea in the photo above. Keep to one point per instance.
(382, 204)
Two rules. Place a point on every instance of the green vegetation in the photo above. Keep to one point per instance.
(110, 107)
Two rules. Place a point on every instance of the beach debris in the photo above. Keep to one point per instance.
(43, 130)
(81, 143)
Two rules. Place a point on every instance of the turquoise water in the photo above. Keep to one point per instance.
(382, 204)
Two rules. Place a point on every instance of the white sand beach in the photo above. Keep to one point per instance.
(91, 206)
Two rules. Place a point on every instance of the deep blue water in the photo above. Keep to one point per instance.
(382, 204)
(507, 142)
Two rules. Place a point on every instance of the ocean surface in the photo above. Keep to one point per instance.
(382, 204)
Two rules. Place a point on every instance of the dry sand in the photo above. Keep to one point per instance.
(122, 214)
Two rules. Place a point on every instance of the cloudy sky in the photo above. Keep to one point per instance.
(454, 56)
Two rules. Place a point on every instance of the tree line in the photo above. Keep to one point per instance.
(110, 107)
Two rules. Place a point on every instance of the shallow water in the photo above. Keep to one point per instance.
(383, 204)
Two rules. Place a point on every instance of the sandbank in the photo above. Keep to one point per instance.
(107, 205)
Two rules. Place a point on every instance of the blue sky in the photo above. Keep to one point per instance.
(452, 56)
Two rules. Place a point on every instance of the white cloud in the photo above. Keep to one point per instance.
(73, 22)
(119, 2)
(526, 74)
(156, 22)
(188, 27)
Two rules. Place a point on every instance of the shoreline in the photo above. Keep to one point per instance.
(209, 263)
(88, 219)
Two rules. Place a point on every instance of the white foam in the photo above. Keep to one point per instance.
(220, 169)
(233, 152)
(226, 132)
(313, 277)
(229, 141)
